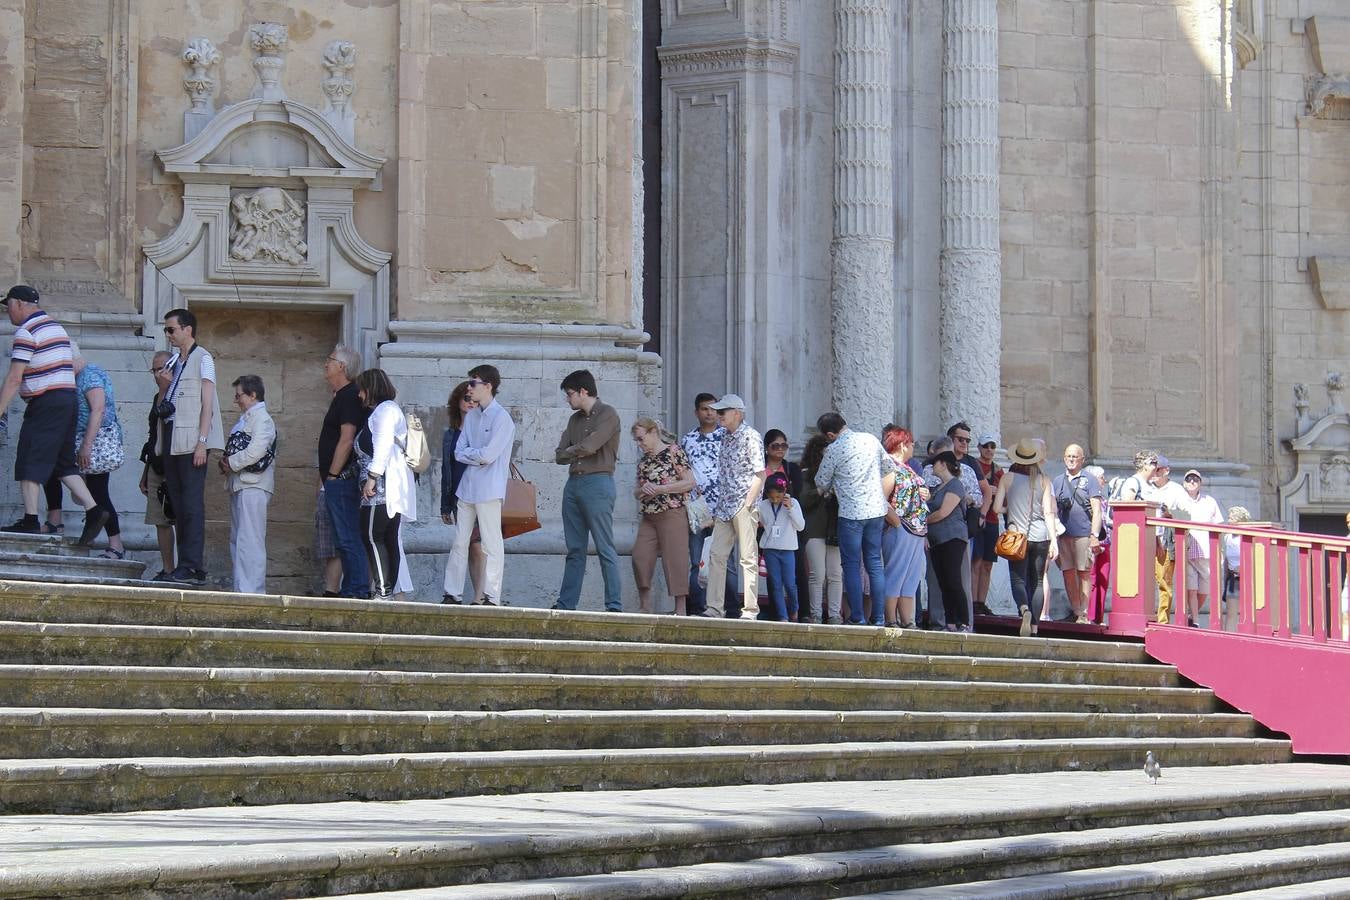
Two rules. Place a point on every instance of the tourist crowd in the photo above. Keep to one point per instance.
(859, 530)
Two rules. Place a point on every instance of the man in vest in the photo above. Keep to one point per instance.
(42, 371)
(190, 417)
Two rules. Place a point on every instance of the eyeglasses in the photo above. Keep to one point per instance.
(1194, 478)
(333, 359)
(169, 329)
(778, 445)
(989, 446)
(962, 440)
(474, 382)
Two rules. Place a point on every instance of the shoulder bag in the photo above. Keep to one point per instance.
(520, 513)
(1012, 544)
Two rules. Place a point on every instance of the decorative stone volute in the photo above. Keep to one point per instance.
(268, 40)
(201, 56)
(1329, 91)
(339, 58)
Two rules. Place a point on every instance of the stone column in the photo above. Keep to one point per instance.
(11, 137)
(970, 268)
(862, 278)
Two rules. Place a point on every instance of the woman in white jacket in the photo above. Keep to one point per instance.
(247, 464)
(388, 493)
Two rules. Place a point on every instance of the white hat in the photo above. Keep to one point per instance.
(1027, 451)
(729, 401)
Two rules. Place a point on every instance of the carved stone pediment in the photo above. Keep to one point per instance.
(1321, 482)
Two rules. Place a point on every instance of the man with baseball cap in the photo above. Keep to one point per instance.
(1175, 502)
(740, 477)
(42, 371)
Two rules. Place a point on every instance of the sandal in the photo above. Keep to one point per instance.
(110, 553)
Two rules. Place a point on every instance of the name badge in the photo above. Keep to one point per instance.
(776, 532)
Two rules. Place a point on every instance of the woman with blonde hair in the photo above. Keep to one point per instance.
(664, 480)
(1026, 497)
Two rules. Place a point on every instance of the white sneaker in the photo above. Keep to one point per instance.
(1025, 630)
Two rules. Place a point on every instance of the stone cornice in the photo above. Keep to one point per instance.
(728, 56)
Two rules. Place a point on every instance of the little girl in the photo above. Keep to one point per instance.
(781, 518)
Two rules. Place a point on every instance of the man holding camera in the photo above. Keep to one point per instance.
(190, 418)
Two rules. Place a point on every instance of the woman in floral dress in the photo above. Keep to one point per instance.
(664, 480)
(902, 543)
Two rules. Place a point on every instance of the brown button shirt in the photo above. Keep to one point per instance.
(590, 443)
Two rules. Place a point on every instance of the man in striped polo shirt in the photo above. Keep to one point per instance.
(41, 370)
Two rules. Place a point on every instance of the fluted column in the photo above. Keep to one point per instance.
(970, 268)
(862, 282)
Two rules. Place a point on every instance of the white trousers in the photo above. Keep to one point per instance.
(488, 516)
(248, 539)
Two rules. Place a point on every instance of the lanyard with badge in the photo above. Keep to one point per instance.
(775, 530)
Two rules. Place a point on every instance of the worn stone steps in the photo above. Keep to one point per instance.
(94, 604)
(156, 687)
(1203, 877)
(1329, 889)
(38, 733)
(970, 868)
(139, 783)
(35, 642)
(347, 848)
(55, 559)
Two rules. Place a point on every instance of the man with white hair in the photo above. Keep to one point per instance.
(42, 371)
(338, 488)
(740, 478)
(1079, 497)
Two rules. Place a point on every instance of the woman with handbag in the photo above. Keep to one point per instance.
(98, 450)
(664, 480)
(902, 542)
(459, 405)
(825, 574)
(247, 464)
(1026, 497)
(388, 494)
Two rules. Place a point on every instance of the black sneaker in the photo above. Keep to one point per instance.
(94, 520)
(185, 575)
(451, 600)
(162, 576)
(331, 594)
(49, 528)
(23, 526)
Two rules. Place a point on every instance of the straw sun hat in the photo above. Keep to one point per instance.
(1027, 451)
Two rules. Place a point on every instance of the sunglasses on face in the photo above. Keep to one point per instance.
(474, 382)
(778, 445)
(962, 440)
(1193, 479)
(988, 446)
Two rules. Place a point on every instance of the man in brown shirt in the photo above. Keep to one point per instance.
(589, 448)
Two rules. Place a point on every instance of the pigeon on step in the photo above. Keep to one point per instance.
(1151, 767)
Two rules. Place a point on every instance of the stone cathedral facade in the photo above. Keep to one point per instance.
(1119, 222)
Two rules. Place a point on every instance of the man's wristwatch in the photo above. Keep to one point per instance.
(201, 440)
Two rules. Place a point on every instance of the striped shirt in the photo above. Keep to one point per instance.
(43, 346)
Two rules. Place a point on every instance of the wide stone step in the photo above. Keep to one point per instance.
(149, 687)
(1201, 877)
(31, 642)
(904, 867)
(45, 733)
(141, 783)
(60, 566)
(345, 848)
(170, 606)
(1330, 889)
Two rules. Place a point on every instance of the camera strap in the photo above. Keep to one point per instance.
(171, 394)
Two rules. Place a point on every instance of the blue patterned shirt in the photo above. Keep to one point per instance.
(705, 454)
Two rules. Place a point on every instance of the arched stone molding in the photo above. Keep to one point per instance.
(1321, 481)
(280, 170)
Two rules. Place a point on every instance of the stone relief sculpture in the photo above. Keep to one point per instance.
(1248, 16)
(1336, 475)
(201, 56)
(339, 58)
(268, 224)
(268, 40)
(1335, 384)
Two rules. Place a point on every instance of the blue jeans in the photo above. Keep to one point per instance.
(697, 604)
(344, 511)
(588, 513)
(782, 567)
(860, 546)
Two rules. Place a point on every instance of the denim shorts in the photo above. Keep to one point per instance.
(982, 545)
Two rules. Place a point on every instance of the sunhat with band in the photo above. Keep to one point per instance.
(1027, 451)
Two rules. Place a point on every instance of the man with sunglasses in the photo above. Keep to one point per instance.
(152, 476)
(191, 428)
(484, 446)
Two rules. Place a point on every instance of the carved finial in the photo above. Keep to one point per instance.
(339, 58)
(268, 40)
(201, 56)
(1335, 384)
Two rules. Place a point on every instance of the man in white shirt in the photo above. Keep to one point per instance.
(861, 474)
(703, 445)
(485, 447)
(1176, 503)
(1204, 508)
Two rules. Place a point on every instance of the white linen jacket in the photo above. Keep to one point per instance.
(261, 431)
(388, 437)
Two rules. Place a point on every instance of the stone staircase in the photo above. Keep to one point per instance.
(53, 558)
(168, 743)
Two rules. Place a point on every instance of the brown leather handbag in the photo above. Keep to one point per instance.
(1012, 544)
(520, 510)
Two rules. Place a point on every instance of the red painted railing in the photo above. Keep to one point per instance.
(1282, 650)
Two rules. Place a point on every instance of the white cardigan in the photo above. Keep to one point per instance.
(388, 436)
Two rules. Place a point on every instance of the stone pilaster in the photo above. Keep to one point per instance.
(12, 210)
(862, 276)
(971, 274)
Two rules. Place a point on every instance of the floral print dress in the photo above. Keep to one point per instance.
(662, 467)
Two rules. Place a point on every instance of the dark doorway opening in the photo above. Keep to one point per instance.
(651, 173)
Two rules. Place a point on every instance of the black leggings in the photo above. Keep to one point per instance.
(948, 558)
(379, 532)
(98, 487)
(1028, 576)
